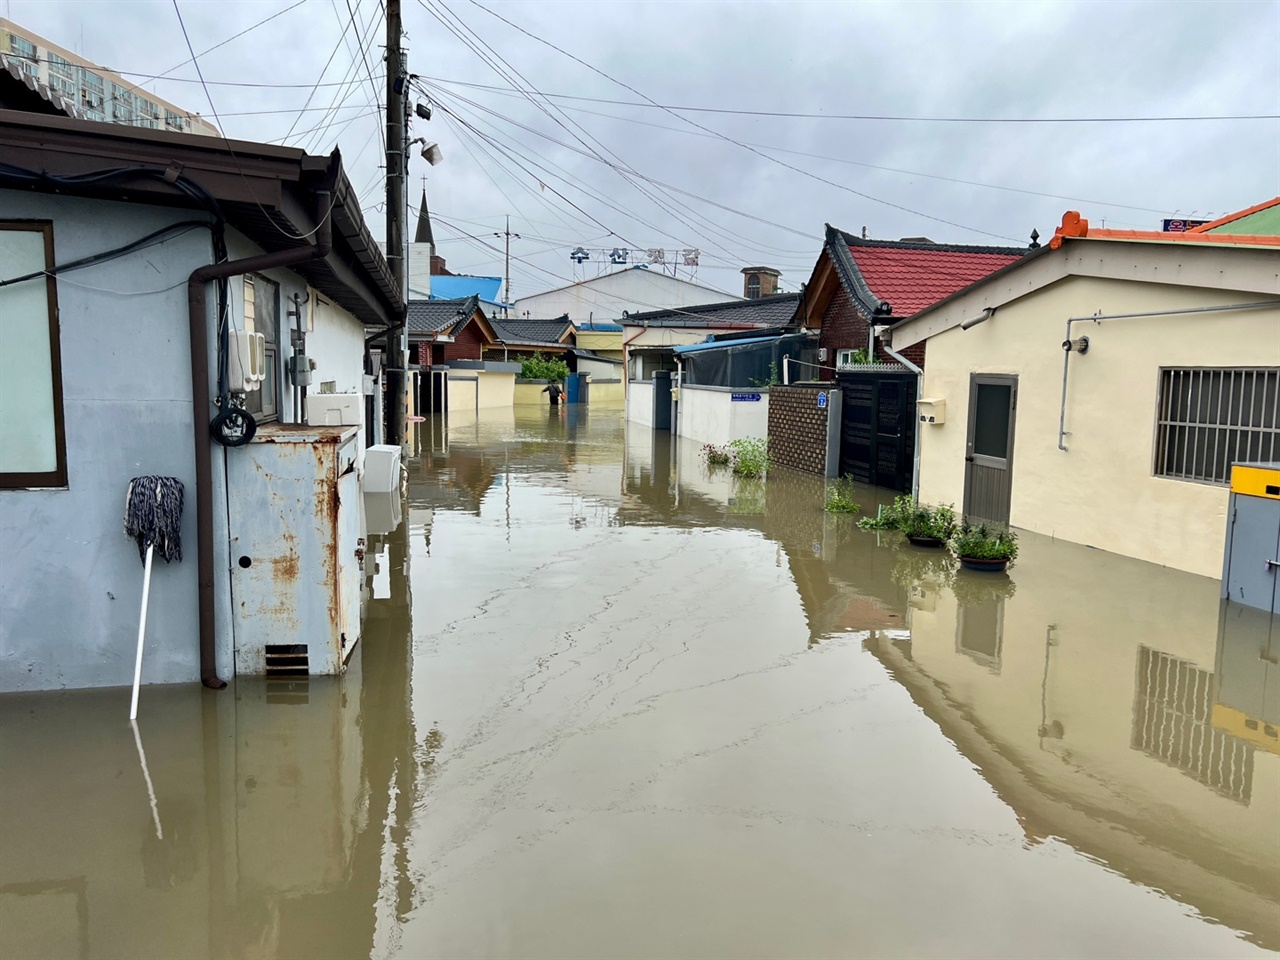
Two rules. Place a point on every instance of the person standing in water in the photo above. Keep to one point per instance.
(553, 392)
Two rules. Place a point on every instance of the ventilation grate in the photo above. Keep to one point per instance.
(287, 660)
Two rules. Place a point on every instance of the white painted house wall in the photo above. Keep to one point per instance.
(605, 298)
(711, 415)
(126, 375)
(336, 344)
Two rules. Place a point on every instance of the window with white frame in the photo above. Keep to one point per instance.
(262, 315)
(33, 449)
(844, 359)
(1211, 417)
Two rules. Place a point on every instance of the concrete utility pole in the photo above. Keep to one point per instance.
(397, 96)
(506, 289)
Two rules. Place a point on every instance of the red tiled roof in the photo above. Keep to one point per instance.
(911, 279)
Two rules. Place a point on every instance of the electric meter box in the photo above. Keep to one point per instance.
(1251, 566)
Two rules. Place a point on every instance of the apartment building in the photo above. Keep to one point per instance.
(96, 92)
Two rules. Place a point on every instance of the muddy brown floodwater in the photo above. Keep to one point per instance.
(607, 704)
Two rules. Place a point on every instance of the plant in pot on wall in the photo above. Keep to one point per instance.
(983, 548)
(927, 526)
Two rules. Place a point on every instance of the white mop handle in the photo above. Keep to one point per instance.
(142, 632)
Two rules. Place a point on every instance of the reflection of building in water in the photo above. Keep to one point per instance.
(1095, 732)
(273, 800)
(1247, 671)
(1172, 705)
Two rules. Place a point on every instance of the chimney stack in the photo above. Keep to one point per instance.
(759, 282)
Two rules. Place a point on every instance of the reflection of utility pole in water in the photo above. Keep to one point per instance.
(1049, 730)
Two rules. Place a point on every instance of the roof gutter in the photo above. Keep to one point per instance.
(198, 323)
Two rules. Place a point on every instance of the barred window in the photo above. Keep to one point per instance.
(1211, 418)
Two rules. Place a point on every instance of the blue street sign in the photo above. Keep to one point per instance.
(749, 397)
(822, 399)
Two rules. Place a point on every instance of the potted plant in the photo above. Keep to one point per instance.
(888, 516)
(927, 526)
(983, 548)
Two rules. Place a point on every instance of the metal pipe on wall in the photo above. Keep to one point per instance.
(1099, 317)
(198, 322)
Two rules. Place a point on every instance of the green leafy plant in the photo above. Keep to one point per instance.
(773, 381)
(750, 456)
(971, 589)
(861, 355)
(840, 497)
(980, 542)
(890, 516)
(922, 520)
(717, 456)
(539, 367)
(914, 566)
(749, 497)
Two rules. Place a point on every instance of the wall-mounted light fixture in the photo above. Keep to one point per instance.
(1078, 345)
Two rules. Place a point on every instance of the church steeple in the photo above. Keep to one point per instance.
(423, 234)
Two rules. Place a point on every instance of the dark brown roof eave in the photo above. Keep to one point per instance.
(267, 193)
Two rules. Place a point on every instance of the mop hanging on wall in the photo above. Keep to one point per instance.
(152, 517)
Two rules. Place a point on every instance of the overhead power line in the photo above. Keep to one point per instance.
(739, 143)
(237, 36)
(794, 115)
(818, 156)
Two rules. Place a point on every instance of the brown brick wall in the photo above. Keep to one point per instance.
(844, 328)
(797, 429)
(468, 344)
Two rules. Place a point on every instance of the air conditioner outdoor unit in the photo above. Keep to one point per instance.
(247, 360)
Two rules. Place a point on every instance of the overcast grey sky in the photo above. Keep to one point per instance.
(895, 177)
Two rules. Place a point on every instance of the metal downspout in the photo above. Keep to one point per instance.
(915, 460)
(198, 321)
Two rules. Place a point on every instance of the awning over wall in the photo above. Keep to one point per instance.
(749, 362)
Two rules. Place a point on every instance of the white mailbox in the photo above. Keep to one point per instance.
(932, 410)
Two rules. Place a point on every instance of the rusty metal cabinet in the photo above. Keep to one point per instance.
(296, 549)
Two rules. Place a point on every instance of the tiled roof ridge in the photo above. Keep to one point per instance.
(856, 241)
(715, 307)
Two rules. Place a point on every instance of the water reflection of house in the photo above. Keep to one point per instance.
(1085, 687)
(283, 809)
(1094, 722)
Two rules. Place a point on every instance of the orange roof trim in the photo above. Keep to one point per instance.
(1238, 215)
(1074, 225)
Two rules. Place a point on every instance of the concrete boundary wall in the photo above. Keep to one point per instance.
(640, 403)
(712, 415)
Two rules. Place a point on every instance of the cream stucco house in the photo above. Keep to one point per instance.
(1124, 441)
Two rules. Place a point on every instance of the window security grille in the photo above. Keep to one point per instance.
(1172, 703)
(1211, 418)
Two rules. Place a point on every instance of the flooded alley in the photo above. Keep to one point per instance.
(609, 703)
